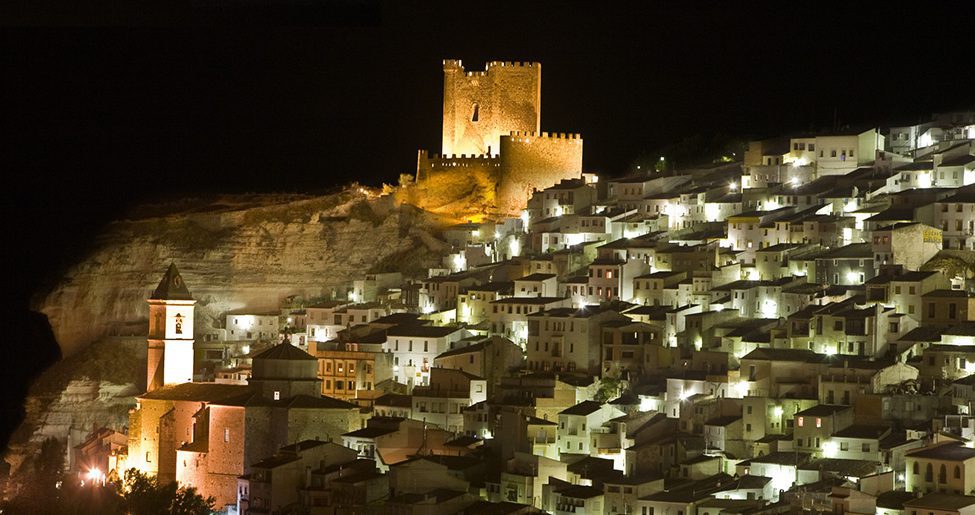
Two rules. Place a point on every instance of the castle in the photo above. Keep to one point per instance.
(494, 154)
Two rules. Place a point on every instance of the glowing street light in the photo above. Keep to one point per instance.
(733, 186)
(96, 477)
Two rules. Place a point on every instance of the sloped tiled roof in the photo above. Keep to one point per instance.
(285, 351)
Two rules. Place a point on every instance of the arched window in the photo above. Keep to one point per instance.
(475, 112)
(943, 474)
(917, 468)
(957, 472)
(929, 473)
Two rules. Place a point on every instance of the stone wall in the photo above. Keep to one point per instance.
(531, 160)
(458, 186)
(224, 461)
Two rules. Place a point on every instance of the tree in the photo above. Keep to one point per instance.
(40, 492)
(143, 495)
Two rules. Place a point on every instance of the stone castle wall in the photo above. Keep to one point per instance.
(481, 106)
(455, 184)
(532, 160)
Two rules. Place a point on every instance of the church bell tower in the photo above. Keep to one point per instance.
(170, 357)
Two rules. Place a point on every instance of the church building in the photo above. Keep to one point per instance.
(206, 435)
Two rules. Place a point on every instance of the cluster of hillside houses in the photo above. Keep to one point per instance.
(794, 331)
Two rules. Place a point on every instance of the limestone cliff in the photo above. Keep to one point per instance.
(233, 252)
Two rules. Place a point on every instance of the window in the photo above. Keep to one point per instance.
(226, 434)
(277, 395)
(475, 112)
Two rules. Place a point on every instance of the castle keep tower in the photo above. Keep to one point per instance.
(170, 359)
(481, 106)
(494, 155)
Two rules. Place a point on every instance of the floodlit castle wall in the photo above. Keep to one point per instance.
(451, 183)
(535, 160)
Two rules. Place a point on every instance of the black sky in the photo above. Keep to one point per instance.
(105, 108)
(103, 116)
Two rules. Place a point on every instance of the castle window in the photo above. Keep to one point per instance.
(474, 112)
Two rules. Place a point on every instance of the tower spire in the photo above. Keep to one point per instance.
(171, 287)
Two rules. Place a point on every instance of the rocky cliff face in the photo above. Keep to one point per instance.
(241, 252)
(234, 253)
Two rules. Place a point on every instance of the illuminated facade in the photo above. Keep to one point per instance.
(170, 357)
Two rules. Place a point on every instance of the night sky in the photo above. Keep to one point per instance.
(107, 109)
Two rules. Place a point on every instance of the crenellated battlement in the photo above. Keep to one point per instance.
(512, 64)
(545, 135)
(458, 65)
(457, 160)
